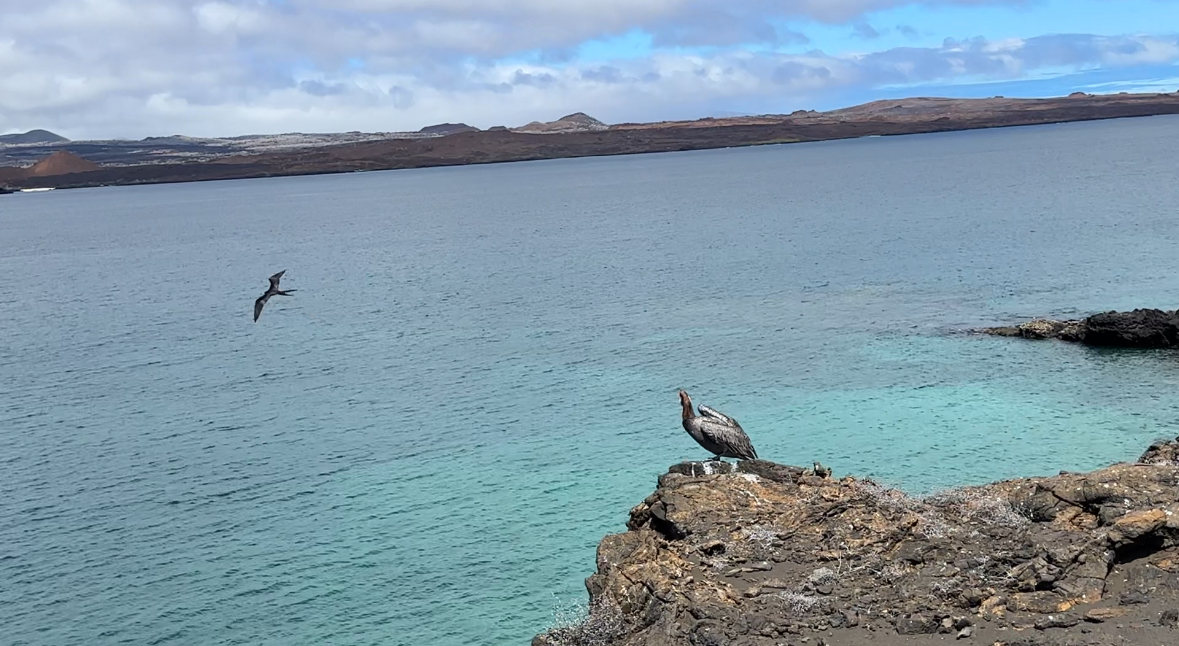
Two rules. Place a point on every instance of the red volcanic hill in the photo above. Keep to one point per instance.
(61, 163)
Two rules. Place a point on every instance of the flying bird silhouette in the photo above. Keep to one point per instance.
(716, 432)
(270, 291)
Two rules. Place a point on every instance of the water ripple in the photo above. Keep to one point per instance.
(477, 377)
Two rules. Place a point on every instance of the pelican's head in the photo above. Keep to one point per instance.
(684, 399)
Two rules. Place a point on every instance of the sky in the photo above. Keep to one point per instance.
(101, 69)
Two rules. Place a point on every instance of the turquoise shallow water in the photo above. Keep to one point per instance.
(476, 379)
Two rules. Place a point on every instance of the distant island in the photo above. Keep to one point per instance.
(33, 137)
(42, 159)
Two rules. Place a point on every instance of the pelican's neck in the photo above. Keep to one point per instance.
(686, 404)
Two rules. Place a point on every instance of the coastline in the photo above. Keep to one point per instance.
(761, 554)
(880, 118)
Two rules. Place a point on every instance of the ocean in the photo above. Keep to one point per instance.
(476, 377)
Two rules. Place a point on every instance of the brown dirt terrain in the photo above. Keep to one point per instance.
(761, 554)
(61, 163)
(907, 116)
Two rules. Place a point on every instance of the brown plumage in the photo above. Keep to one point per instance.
(716, 432)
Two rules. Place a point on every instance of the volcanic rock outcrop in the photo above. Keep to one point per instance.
(763, 554)
(1141, 328)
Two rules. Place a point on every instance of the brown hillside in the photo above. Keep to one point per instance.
(138, 163)
(61, 163)
(11, 174)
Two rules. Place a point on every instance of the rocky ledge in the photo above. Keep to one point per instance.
(1143, 328)
(765, 554)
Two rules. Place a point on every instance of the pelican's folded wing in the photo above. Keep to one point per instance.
(717, 415)
(731, 438)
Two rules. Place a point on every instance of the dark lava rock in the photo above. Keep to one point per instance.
(1133, 597)
(1136, 329)
(1141, 328)
(912, 551)
(708, 635)
(771, 471)
(1169, 618)
(916, 625)
(706, 468)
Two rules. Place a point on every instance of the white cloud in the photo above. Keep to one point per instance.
(227, 18)
(101, 68)
(603, 13)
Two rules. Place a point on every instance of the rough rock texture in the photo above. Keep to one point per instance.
(760, 553)
(1162, 452)
(1040, 329)
(1137, 329)
(1142, 328)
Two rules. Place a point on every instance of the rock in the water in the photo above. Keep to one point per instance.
(1141, 328)
(1136, 329)
(1040, 329)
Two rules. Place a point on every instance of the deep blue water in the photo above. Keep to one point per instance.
(476, 377)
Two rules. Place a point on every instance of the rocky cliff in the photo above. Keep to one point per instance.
(761, 554)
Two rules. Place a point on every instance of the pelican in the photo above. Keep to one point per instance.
(716, 432)
(270, 291)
